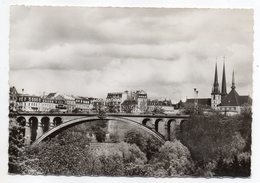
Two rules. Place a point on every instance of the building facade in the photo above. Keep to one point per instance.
(30, 103)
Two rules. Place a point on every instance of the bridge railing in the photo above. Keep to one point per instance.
(107, 114)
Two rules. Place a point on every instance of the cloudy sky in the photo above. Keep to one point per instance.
(92, 51)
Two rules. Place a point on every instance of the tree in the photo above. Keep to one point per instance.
(136, 137)
(147, 144)
(112, 107)
(131, 153)
(99, 133)
(174, 158)
(216, 139)
(19, 162)
(152, 147)
(246, 111)
(62, 155)
(128, 106)
(134, 159)
(16, 145)
(143, 106)
(158, 110)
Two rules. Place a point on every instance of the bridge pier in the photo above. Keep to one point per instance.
(51, 122)
(27, 136)
(39, 130)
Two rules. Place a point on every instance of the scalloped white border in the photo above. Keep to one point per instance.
(4, 88)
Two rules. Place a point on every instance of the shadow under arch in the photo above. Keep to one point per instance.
(156, 124)
(45, 121)
(170, 128)
(74, 122)
(33, 122)
(145, 121)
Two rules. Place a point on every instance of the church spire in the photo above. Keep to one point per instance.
(233, 81)
(215, 89)
(224, 85)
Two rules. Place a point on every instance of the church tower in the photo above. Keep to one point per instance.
(215, 94)
(224, 85)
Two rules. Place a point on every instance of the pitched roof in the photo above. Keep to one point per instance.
(233, 99)
(51, 95)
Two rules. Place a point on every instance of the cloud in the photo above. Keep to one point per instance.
(92, 51)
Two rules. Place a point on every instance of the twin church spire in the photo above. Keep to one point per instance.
(215, 89)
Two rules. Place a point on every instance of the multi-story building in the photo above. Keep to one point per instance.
(47, 104)
(160, 106)
(141, 99)
(28, 102)
(83, 104)
(116, 100)
(59, 101)
(70, 102)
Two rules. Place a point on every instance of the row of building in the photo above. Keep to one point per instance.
(52, 102)
(127, 101)
(134, 101)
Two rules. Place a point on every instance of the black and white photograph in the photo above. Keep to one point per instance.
(130, 91)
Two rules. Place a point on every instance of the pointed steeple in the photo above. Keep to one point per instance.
(233, 81)
(224, 85)
(215, 89)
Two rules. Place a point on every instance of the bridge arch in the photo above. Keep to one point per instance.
(159, 126)
(147, 122)
(170, 126)
(45, 121)
(74, 122)
(57, 121)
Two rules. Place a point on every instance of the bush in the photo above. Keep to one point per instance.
(173, 159)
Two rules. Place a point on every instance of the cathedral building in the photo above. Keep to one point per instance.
(227, 103)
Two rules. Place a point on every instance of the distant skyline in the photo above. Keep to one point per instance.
(165, 51)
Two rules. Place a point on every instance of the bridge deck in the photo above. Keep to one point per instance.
(107, 114)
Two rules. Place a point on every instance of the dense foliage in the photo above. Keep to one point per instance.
(219, 145)
(212, 145)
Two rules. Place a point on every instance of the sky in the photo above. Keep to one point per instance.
(165, 51)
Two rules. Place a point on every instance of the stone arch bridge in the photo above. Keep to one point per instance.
(40, 126)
